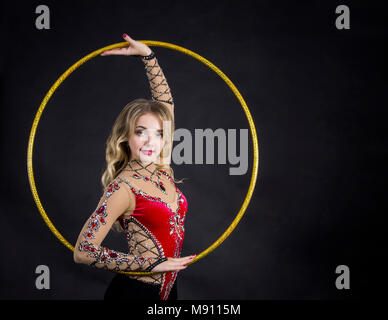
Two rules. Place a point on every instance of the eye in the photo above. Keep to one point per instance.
(139, 132)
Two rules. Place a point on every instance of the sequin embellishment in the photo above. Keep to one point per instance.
(110, 259)
(175, 223)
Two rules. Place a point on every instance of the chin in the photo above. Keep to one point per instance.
(144, 158)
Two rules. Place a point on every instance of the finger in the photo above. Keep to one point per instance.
(127, 37)
(180, 268)
(188, 258)
(181, 261)
(189, 261)
(185, 262)
(113, 52)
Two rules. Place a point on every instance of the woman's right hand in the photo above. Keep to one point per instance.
(173, 264)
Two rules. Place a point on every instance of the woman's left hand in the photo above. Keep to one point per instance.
(134, 48)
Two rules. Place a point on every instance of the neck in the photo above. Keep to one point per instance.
(139, 165)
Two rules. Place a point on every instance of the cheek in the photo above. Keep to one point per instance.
(135, 143)
(161, 144)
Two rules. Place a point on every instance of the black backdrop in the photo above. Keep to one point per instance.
(317, 98)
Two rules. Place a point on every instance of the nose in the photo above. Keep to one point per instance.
(150, 140)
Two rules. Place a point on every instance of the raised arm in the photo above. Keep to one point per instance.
(116, 200)
(160, 90)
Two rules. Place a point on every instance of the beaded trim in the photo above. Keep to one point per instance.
(149, 57)
(179, 221)
(176, 221)
(159, 184)
(169, 285)
(103, 255)
(98, 217)
(156, 199)
(155, 264)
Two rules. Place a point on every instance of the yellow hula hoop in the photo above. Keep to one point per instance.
(157, 44)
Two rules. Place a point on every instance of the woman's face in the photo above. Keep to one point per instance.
(147, 141)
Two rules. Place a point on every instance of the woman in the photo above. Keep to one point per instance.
(140, 196)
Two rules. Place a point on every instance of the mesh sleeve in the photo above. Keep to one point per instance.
(160, 90)
(88, 249)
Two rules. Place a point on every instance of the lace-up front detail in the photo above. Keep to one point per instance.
(155, 228)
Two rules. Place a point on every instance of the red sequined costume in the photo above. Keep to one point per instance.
(150, 208)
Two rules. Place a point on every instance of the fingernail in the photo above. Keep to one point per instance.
(124, 35)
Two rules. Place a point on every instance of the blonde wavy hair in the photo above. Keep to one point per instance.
(118, 152)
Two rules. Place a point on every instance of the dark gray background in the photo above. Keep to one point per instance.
(317, 98)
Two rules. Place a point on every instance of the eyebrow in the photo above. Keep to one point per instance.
(146, 128)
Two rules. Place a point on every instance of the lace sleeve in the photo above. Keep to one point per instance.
(88, 249)
(160, 90)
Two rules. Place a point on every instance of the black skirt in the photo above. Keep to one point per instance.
(124, 288)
